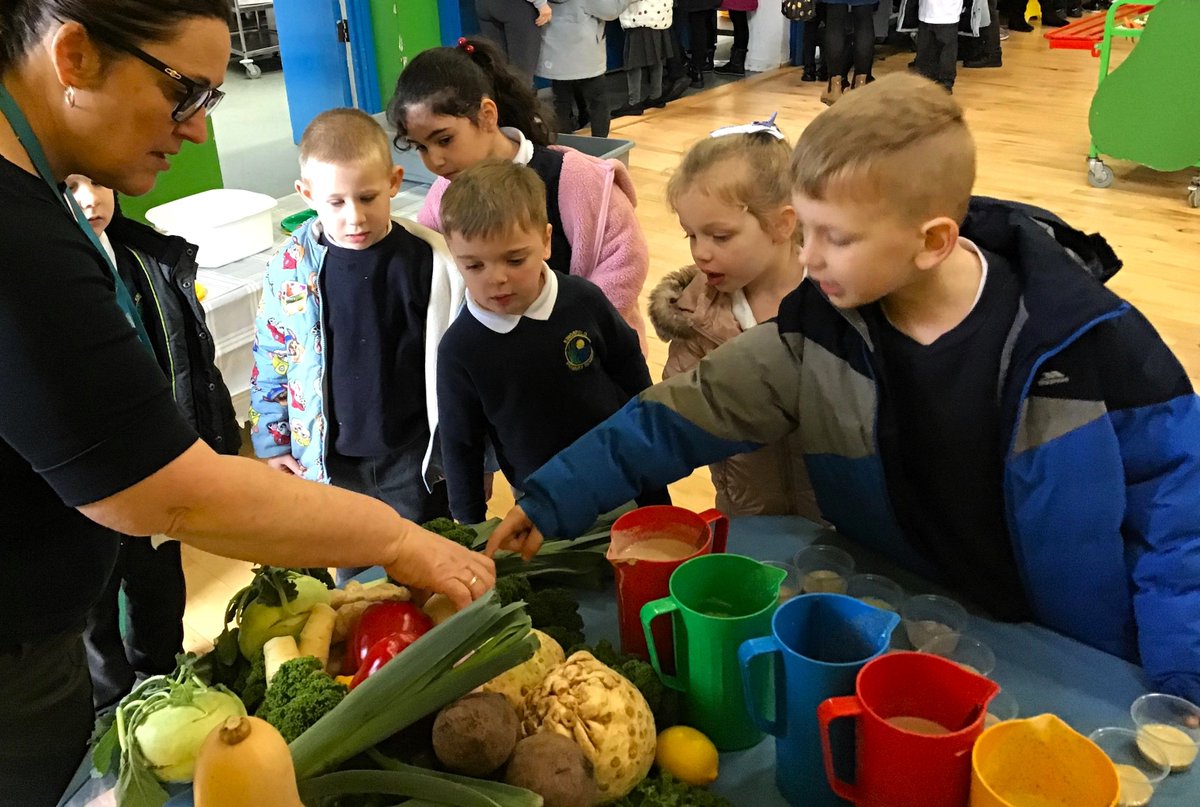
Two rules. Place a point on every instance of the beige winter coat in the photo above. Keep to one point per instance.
(696, 319)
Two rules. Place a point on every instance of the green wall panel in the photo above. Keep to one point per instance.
(403, 28)
(195, 168)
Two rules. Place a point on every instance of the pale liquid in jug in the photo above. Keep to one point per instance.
(658, 549)
(918, 725)
(1136, 789)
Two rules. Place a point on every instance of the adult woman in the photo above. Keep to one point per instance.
(90, 439)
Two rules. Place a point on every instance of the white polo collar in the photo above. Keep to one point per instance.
(524, 146)
(540, 309)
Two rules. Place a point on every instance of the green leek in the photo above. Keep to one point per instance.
(469, 649)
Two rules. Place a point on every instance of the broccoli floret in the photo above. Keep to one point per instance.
(555, 612)
(251, 682)
(608, 655)
(451, 529)
(300, 694)
(513, 587)
(664, 790)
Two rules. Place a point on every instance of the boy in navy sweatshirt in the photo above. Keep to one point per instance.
(537, 358)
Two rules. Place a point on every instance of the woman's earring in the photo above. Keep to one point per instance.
(70, 96)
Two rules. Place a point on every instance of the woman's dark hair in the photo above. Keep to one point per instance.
(111, 22)
(454, 81)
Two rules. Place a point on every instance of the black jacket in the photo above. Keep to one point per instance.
(176, 320)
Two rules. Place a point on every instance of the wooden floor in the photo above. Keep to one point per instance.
(1030, 122)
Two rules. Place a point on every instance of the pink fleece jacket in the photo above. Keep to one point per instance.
(596, 200)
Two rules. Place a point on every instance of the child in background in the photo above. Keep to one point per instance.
(353, 307)
(734, 201)
(537, 358)
(972, 401)
(647, 26)
(160, 273)
(458, 106)
(516, 27)
(937, 40)
(574, 58)
(739, 15)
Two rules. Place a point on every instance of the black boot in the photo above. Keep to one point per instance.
(676, 90)
(708, 60)
(736, 66)
(1019, 24)
(810, 73)
(1052, 19)
(697, 82)
(630, 109)
(1074, 8)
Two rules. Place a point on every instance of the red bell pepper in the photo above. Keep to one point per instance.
(381, 653)
(380, 621)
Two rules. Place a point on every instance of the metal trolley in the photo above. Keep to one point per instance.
(1125, 19)
(252, 29)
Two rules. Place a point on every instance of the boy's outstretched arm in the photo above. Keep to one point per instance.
(743, 395)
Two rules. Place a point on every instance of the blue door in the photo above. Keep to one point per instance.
(328, 56)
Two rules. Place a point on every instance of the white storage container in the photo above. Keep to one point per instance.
(225, 224)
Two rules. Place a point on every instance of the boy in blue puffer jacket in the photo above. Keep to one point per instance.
(970, 398)
(344, 387)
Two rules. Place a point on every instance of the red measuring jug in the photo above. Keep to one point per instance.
(643, 577)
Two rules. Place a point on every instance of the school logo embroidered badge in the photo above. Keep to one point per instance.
(578, 349)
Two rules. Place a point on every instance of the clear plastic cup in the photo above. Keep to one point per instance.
(965, 651)
(1173, 723)
(790, 587)
(1001, 708)
(823, 569)
(927, 616)
(1138, 772)
(877, 590)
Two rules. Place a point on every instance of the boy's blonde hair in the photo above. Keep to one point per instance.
(741, 170)
(344, 136)
(901, 139)
(494, 197)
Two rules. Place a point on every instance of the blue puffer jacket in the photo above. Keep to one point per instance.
(1101, 479)
(287, 384)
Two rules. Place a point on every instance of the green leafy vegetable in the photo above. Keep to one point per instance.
(462, 534)
(663, 790)
(664, 702)
(301, 693)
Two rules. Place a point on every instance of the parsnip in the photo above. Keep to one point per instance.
(278, 651)
(318, 633)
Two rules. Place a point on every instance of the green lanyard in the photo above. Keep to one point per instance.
(34, 149)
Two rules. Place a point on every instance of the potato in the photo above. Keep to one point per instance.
(475, 735)
(555, 768)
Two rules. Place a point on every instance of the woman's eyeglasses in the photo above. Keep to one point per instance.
(200, 95)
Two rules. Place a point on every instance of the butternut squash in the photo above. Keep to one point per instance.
(244, 762)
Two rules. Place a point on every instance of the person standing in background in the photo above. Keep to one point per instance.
(574, 57)
(647, 25)
(516, 26)
(739, 15)
(837, 14)
(702, 36)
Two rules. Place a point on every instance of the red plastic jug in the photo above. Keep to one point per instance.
(917, 717)
(641, 579)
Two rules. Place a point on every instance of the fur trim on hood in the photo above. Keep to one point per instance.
(669, 320)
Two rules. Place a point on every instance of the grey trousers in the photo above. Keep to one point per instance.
(633, 79)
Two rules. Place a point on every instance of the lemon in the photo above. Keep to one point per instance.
(687, 755)
(201, 292)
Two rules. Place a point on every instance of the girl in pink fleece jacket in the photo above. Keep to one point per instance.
(460, 105)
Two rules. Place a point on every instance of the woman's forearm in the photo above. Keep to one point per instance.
(240, 508)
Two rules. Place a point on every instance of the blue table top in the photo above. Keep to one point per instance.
(1044, 671)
